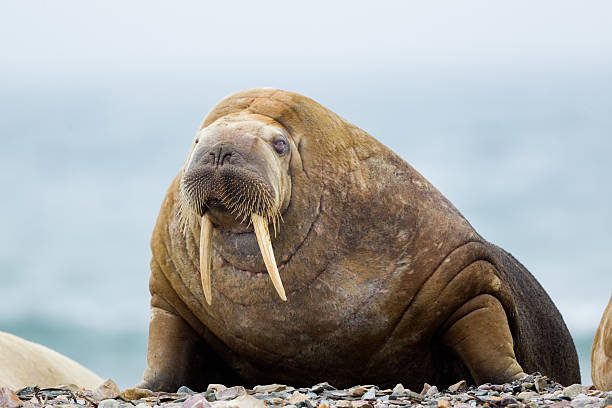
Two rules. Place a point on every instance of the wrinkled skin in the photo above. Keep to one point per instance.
(601, 354)
(386, 281)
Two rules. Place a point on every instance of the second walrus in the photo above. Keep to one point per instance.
(293, 247)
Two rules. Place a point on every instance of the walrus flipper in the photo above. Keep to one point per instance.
(172, 343)
(480, 335)
(177, 355)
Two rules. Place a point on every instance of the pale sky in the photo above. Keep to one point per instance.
(79, 36)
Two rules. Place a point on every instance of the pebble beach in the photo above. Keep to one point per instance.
(533, 391)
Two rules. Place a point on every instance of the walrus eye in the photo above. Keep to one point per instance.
(281, 146)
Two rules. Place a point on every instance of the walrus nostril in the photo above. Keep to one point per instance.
(218, 157)
(225, 156)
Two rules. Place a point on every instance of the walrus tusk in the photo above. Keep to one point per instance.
(206, 230)
(265, 246)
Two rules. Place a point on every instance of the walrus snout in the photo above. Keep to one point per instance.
(234, 179)
(220, 154)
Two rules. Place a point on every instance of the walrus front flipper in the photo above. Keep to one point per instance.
(177, 355)
(478, 332)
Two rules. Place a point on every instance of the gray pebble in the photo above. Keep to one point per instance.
(506, 401)
(573, 390)
(269, 388)
(433, 390)
(322, 387)
(109, 403)
(230, 393)
(369, 395)
(527, 395)
(398, 389)
(185, 390)
(586, 402)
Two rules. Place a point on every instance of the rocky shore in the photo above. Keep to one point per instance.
(534, 391)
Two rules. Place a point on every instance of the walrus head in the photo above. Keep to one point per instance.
(236, 179)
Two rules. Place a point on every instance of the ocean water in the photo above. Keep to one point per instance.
(85, 162)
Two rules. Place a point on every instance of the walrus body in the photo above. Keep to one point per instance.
(386, 281)
(23, 363)
(601, 354)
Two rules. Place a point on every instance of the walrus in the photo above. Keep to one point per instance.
(294, 247)
(601, 353)
(24, 363)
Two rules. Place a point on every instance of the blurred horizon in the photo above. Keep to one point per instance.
(504, 108)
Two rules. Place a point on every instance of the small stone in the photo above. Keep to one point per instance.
(216, 387)
(481, 393)
(433, 390)
(379, 405)
(8, 398)
(290, 406)
(369, 395)
(210, 395)
(230, 393)
(361, 404)
(131, 394)
(324, 404)
(322, 387)
(460, 386)
(527, 386)
(507, 400)
(142, 405)
(297, 398)
(246, 401)
(196, 401)
(269, 388)
(573, 390)
(527, 395)
(484, 387)
(559, 404)
(344, 404)
(108, 403)
(107, 390)
(338, 394)
(541, 383)
(586, 402)
(357, 391)
(426, 388)
(185, 390)
(413, 395)
(398, 389)
(443, 403)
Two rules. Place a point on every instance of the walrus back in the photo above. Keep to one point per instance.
(542, 341)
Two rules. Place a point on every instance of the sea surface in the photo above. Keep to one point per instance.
(85, 162)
